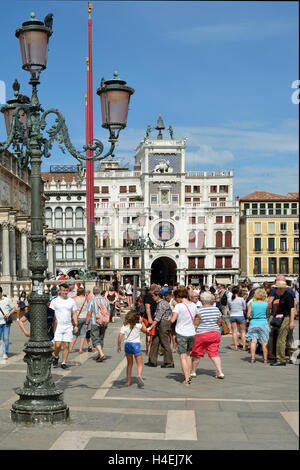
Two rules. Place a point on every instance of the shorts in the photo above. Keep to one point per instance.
(64, 333)
(184, 343)
(81, 329)
(209, 342)
(237, 319)
(133, 348)
(146, 323)
(97, 335)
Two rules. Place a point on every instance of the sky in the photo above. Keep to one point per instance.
(221, 73)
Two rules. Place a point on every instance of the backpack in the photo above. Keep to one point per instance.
(224, 299)
(103, 315)
(140, 305)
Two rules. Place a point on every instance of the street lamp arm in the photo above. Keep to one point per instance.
(18, 135)
(59, 132)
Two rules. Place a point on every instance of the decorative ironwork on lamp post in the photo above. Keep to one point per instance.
(140, 244)
(40, 401)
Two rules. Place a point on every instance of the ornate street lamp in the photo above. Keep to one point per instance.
(40, 401)
(140, 244)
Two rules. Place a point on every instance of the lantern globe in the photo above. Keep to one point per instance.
(8, 111)
(114, 100)
(33, 36)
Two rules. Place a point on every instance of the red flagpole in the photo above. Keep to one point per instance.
(90, 164)
(87, 163)
(90, 120)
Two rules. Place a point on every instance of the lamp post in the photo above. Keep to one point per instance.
(140, 244)
(40, 401)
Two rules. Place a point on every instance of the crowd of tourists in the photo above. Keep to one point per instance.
(184, 320)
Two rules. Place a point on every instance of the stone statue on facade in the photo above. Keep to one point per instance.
(163, 166)
(148, 131)
(171, 132)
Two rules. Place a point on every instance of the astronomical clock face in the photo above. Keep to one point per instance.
(164, 231)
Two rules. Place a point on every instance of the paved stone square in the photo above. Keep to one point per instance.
(255, 407)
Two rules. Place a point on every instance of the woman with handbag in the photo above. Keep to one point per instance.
(98, 312)
(258, 313)
(186, 316)
(81, 303)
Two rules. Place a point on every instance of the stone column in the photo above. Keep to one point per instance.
(51, 244)
(5, 251)
(12, 247)
(24, 253)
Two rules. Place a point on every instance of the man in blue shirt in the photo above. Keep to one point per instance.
(165, 289)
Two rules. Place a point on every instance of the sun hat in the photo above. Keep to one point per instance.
(280, 285)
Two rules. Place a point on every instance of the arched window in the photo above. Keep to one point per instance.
(219, 240)
(79, 217)
(106, 240)
(58, 217)
(48, 217)
(192, 240)
(69, 249)
(97, 241)
(129, 236)
(228, 239)
(69, 217)
(59, 249)
(79, 249)
(201, 239)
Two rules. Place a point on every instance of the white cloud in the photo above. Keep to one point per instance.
(234, 139)
(207, 155)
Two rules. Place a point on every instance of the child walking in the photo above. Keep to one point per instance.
(131, 330)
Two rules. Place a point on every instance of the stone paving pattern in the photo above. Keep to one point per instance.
(245, 411)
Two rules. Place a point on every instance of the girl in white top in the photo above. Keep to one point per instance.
(131, 330)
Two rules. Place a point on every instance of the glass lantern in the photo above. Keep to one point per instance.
(33, 36)
(114, 99)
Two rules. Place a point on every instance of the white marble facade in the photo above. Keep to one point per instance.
(65, 215)
(15, 200)
(193, 212)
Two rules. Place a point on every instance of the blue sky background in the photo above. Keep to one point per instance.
(219, 72)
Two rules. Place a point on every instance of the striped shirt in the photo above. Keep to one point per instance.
(209, 319)
(237, 307)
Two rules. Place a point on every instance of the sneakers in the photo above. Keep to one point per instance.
(193, 374)
(187, 382)
(5, 356)
(55, 361)
(150, 364)
(220, 376)
(140, 382)
(167, 366)
(64, 366)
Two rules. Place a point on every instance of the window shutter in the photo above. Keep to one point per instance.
(219, 240)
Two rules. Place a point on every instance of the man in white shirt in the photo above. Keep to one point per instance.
(65, 315)
(194, 297)
(7, 308)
